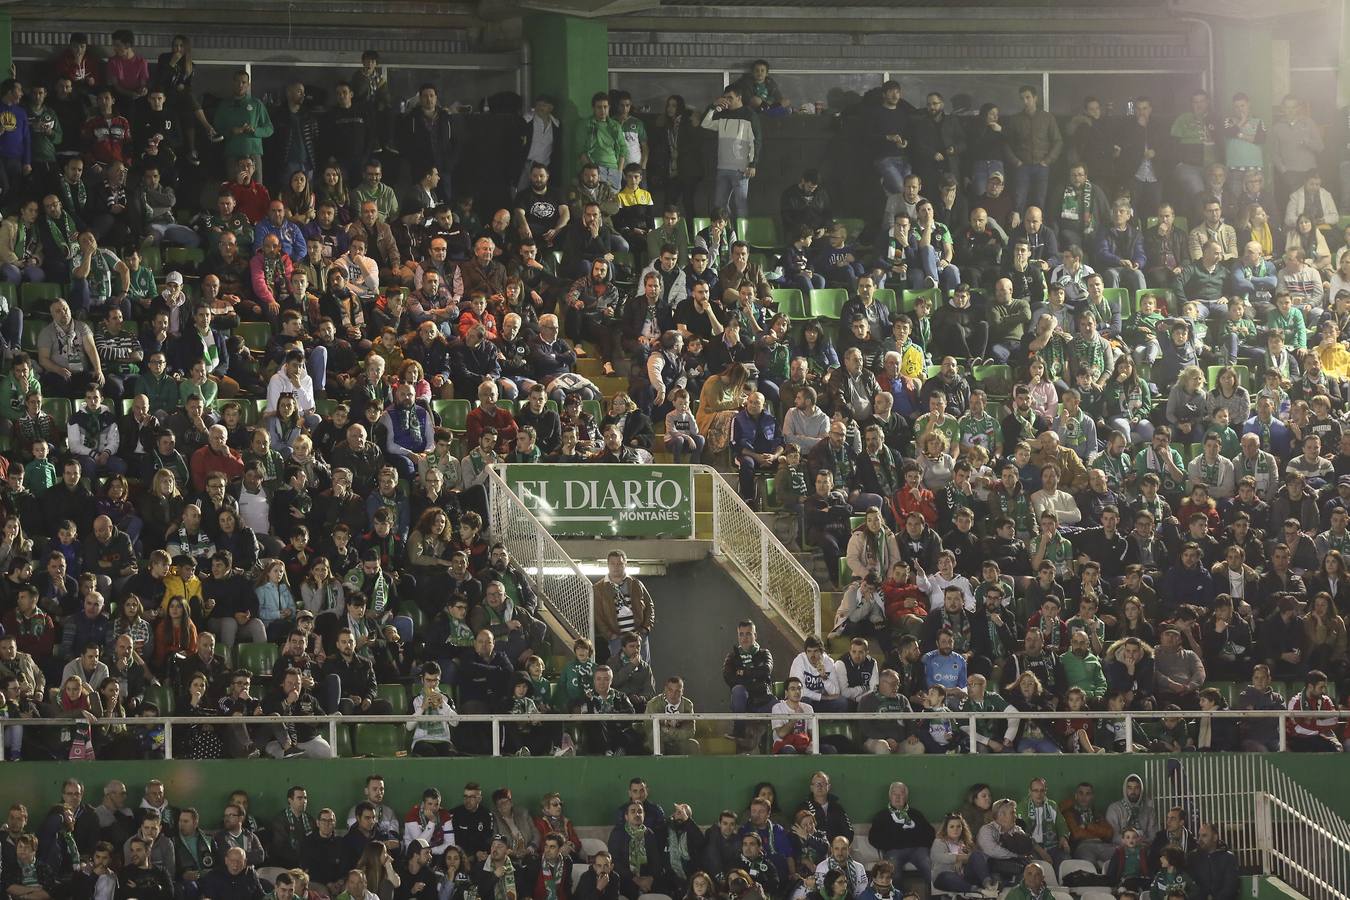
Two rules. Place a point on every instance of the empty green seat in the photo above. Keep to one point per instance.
(454, 413)
(760, 232)
(396, 694)
(255, 334)
(189, 257)
(827, 303)
(593, 407)
(258, 658)
(886, 297)
(59, 409)
(344, 740)
(379, 739)
(162, 696)
(790, 303)
(38, 295)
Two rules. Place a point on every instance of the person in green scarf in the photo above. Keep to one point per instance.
(1031, 887)
(637, 852)
(1045, 824)
(577, 676)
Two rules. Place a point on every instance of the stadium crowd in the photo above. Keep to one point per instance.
(989, 413)
(502, 849)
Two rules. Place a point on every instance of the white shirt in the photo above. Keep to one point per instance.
(816, 684)
(253, 510)
(802, 713)
(281, 383)
(541, 144)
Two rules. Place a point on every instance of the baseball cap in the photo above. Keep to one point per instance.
(173, 278)
(993, 175)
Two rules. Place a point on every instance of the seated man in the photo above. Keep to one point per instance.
(756, 442)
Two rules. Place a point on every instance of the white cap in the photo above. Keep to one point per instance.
(173, 278)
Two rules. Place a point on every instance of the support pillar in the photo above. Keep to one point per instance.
(569, 58)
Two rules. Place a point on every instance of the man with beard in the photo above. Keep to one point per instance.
(539, 210)
(410, 432)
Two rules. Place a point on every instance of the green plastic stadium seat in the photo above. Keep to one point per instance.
(396, 694)
(760, 232)
(181, 257)
(508, 405)
(454, 413)
(790, 303)
(162, 696)
(258, 658)
(886, 297)
(255, 334)
(1118, 297)
(38, 295)
(344, 740)
(59, 409)
(826, 303)
(593, 407)
(1164, 296)
(380, 739)
(855, 227)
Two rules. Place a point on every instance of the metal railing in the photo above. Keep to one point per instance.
(1228, 788)
(557, 579)
(1303, 853)
(741, 538)
(967, 722)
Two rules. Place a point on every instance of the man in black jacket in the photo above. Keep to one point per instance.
(748, 671)
(1213, 866)
(473, 825)
(358, 679)
(236, 881)
(295, 138)
(321, 853)
(427, 137)
(831, 817)
(901, 833)
(140, 879)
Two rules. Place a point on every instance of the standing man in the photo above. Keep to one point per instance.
(622, 604)
(1295, 142)
(1034, 143)
(739, 144)
(605, 146)
(244, 122)
(428, 140)
(1195, 138)
(295, 137)
(16, 139)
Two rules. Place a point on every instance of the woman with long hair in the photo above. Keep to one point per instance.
(114, 741)
(1126, 401)
(1033, 735)
(298, 197)
(872, 546)
(321, 592)
(958, 866)
(173, 74)
(675, 166)
(721, 399)
(161, 509)
(431, 545)
(233, 535)
(201, 740)
(114, 501)
(978, 810)
(131, 622)
(332, 188)
(378, 867)
(817, 349)
(1332, 579)
(1308, 237)
(284, 424)
(1326, 638)
(13, 543)
(174, 633)
(701, 887)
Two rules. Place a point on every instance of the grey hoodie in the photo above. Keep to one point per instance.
(1122, 814)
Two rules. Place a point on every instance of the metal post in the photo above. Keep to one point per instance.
(1284, 737)
(168, 742)
(496, 737)
(332, 736)
(2, 740)
(974, 744)
(815, 734)
(656, 737)
(764, 567)
(1129, 733)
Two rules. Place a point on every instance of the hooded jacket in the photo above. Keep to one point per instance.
(1140, 815)
(1118, 678)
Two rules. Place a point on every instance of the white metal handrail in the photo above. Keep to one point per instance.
(556, 577)
(743, 539)
(653, 721)
(1302, 852)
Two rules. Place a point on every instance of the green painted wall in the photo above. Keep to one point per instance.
(569, 57)
(6, 43)
(593, 788)
(1244, 61)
